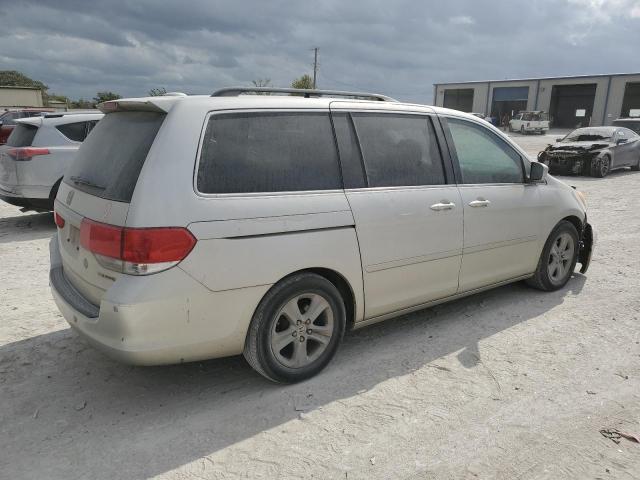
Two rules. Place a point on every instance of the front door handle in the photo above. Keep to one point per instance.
(442, 206)
(480, 203)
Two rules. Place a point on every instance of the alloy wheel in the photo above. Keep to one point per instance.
(302, 330)
(561, 257)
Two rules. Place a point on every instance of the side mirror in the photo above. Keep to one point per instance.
(621, 140)
(538, 172)
(558, 139)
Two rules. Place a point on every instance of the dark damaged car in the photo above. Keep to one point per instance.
(594, 151)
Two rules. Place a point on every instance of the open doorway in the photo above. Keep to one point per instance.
(572, 105)
(631, 100)
(507, 102)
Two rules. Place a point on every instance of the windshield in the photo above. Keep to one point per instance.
(110, 159)
(589, 135)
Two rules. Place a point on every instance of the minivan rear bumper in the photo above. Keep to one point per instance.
(158, 319)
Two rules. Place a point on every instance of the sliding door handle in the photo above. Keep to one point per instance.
(443, 206)
(480, 203)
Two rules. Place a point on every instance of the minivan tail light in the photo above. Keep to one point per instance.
(27, 153)
(58, 219)
(136, 251)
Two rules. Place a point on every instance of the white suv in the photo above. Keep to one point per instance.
(37, 154)
(200, 227)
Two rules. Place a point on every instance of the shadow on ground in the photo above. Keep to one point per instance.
(133, 422)
(22, 228)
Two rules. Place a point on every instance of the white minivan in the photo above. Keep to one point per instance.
(195, 227)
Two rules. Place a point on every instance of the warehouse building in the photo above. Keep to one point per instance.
(13, 96)
(570, 101)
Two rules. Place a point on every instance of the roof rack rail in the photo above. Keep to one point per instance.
(306, 92)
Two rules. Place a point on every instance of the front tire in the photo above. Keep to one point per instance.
(558, 258)
(522, 132)
(636, 167)
(296, 329)
(600, 167)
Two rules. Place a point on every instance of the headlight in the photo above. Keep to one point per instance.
(581, 197)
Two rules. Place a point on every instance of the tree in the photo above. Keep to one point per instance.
(261, 82)
(82, 103)
(105, 97)
(305, 81)
(13, 78)
(157, 92)
(58, 98)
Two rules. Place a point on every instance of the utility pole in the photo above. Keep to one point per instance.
(315, 66)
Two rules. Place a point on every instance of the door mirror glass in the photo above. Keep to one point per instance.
(538, 171)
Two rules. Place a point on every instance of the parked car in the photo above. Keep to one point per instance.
(8, 119)
(530, 122)
(630, 123)
(206, 226)
(594, 151)
(36, 155)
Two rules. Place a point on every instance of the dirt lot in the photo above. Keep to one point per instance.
(511, 383)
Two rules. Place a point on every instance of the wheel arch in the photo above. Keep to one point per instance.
(576, 223)
(340, 282)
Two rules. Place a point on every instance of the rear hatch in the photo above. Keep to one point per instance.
(97, 189)
(21, 136)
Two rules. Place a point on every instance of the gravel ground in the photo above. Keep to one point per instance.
(511, 383)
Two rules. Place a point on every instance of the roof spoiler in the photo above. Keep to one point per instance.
(303, 92)
(161, 104)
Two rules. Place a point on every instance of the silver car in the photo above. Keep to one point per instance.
(267, 225)
(36, 155)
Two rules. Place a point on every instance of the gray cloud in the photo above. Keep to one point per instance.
(399, 48)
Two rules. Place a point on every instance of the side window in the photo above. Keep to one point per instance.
(483, 156)
(90, 125)
(353, 174)
(10, 119)
(399, 150)
(76, 131)
(268, 152)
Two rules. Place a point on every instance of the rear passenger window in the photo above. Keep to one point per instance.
(483, 156)
(268, 152)
(399, 150)
(76, 131)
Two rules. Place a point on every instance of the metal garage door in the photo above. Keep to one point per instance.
(459, 99)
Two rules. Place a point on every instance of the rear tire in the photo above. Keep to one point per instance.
(296, 329)
(558, 258)
(600, 167)
(54, 193)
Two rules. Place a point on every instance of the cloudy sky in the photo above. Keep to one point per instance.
(399, 48)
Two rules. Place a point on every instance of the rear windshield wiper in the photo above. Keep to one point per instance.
(82, 181)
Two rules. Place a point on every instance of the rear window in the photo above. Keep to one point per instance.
(76, 131)
(268, 152)
(22, 135)
(635, 126)
(109, 161)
